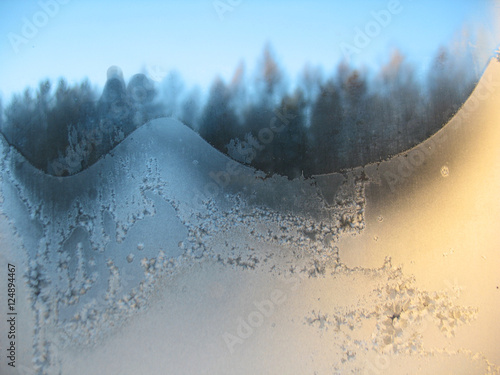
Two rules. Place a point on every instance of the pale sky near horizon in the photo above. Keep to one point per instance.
(83, 38)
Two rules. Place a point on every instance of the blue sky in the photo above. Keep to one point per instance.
(83, 38)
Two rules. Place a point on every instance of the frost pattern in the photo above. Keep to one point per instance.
(100, 242)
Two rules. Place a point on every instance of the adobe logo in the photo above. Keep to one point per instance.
(31, 27)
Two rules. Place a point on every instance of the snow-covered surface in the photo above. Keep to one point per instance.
(168, 257)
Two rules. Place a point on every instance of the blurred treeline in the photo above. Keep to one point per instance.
(323, 124)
